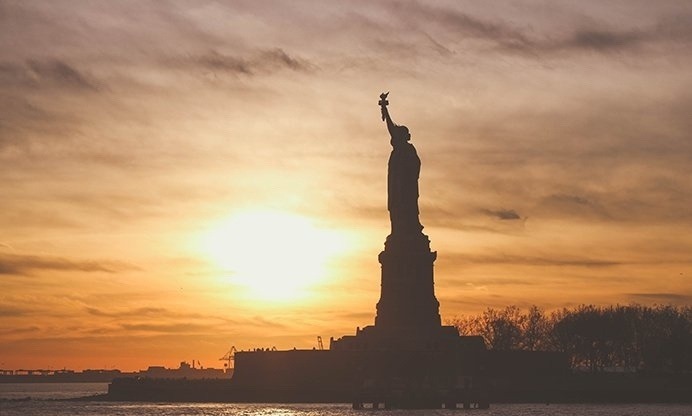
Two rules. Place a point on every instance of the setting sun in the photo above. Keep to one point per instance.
(272, 255)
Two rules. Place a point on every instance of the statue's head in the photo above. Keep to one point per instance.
(402, 133)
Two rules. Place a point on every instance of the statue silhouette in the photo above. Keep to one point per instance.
(402, 177)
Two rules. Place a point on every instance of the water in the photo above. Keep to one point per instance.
(44, 391)
(42, 402)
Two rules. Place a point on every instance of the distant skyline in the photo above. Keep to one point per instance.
(179, 177)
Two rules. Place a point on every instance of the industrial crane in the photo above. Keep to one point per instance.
(228, 357)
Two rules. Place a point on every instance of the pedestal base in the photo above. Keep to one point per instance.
(407, 297)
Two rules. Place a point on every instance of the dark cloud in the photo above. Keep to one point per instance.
(503, 214)
(149, 312)
(146, 311)
(265, 61)
(439, 47)
(510, 38)
(278, 57)
(533, 261)
(465, 24)
(12, 311)
(466, 218)
(224, 63)
(47, 72)
(602, 41)
(11, 264)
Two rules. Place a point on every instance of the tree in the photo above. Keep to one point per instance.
(655, 338)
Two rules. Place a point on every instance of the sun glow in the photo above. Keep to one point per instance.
(273, 255)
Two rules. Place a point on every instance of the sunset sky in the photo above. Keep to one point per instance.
(178, 177)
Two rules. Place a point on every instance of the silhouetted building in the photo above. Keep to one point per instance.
(185, 370)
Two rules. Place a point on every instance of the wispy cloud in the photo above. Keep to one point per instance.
(600, 40)
(44, 73)
(578, 35)
(261, 62)
(13, 311)
(503, 214)
(16, 264)
(137, 312)
(535, 261)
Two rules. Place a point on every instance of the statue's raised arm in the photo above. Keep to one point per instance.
(395, 131)
(385, 113)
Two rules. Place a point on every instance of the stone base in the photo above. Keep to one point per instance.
(407, 296)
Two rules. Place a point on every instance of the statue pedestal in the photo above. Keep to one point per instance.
(408, 314)
(407, 296)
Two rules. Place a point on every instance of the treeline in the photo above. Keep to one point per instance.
(631, 337)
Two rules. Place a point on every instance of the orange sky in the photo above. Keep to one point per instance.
(181, 177)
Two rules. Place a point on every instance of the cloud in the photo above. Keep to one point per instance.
(218, 62)
(465, 217)
(147, 311)
(600, 40)
(11, 264)
(278, 57)
(533, 261)
(46, 72)
(160, 320)
(264, 61)
(12, 311)
(138, 312)
(589, 36)
(465, 24)
(439, 47)
(503, 214)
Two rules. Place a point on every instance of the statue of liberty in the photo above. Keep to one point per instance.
(402, 178)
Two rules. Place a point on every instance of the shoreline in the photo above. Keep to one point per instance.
(574, 388)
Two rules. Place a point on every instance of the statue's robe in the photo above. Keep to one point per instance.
(402, 189)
